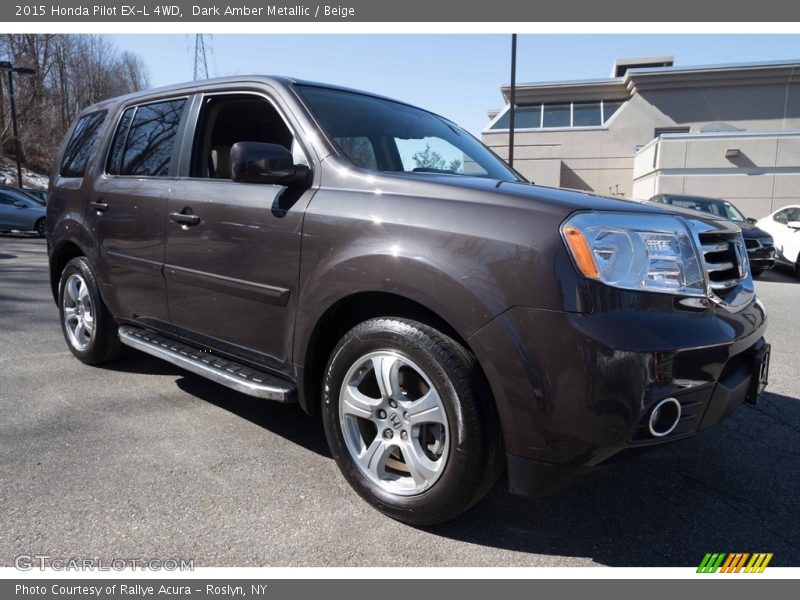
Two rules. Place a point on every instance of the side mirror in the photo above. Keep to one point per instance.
(751, 220)
(793, 224)
(257, 162)
(19, 204)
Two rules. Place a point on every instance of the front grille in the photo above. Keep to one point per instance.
(722, 261)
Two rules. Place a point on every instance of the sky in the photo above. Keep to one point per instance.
(458, 76)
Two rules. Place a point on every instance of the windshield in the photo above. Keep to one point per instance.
(732, 212)
(720, 208)
(383, 135)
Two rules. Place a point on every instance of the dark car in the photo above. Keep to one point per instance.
(374, 262)
(759, 243)
(20, 212)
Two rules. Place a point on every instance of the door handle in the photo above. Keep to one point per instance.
(99, 205)
(185, 219)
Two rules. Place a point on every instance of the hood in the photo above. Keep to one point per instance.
(752, 231)
(518, 193)
(480, 189)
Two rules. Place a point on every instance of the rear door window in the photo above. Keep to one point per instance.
(81, 142)
(149, 134)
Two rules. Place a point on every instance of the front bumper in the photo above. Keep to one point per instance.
(574, 390)
(761, 258)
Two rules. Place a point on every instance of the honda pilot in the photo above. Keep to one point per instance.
(376, 264)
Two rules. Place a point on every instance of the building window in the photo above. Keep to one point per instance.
(659, 131)
(526, 117)
(562, 115)
(586, 114)
(556, 115)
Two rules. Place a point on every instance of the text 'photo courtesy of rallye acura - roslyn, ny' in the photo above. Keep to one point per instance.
(447, 321)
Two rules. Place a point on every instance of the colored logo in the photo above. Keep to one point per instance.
(736, 562)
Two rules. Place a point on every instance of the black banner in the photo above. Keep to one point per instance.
(513, 11)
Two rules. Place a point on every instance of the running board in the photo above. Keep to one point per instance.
(206, 364)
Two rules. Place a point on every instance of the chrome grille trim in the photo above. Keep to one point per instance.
(724, 259)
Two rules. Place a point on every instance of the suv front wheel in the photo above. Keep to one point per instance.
(409, 420)
(88, 326)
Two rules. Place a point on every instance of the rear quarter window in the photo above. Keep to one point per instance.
(145, 139)
(81, 142)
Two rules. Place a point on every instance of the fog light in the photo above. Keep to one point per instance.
(665, 417)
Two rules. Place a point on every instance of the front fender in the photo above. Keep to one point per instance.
(456, 301)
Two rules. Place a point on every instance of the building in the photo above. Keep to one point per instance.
(727, 131)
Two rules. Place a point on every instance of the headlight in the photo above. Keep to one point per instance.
(635, 252)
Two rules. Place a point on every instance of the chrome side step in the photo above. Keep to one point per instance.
(207, 364)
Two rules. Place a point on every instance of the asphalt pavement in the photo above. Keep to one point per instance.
(139, 459)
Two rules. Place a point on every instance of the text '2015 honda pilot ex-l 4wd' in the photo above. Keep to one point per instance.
(374, 262)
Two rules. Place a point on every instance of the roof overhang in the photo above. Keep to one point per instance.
(596, 89)
(640, 79)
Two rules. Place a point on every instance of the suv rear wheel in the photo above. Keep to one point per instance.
(409, 421)
(88, 326)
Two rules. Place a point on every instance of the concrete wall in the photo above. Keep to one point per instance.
(602, 159)
(762, 178)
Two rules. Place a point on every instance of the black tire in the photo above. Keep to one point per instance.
(475, 449)
(103, 345)
(756, 272)
(41, 227)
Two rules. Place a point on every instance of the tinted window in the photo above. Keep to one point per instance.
(360, 151)
(586, 114)
(732, 213)
(556, 115)
(686, 204)
(79, 147)
(226, 120)
(403, 138)
(115, 158)
(151, 138)
(609, 108)
(431, 154)
(525, 117)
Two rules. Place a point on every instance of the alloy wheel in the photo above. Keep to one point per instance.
(78, 312)
(394, 423)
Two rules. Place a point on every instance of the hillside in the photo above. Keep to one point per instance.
(30, 179)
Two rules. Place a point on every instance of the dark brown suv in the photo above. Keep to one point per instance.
(374, 262)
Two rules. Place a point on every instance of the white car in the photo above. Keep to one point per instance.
(784, 225)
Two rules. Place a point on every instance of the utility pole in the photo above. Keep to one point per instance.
(11, 69)
(200, 60)
(512, 100)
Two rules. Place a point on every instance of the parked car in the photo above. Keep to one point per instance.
(19, 212)
(377, 264)
(784, 226)
(39, 196)
(759, 243)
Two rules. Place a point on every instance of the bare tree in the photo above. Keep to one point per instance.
(72, 72)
